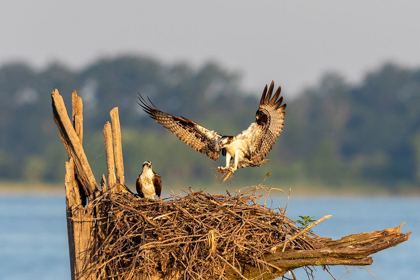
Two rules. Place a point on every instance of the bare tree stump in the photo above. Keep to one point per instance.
(80, 226)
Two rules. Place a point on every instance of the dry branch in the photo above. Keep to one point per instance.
(354, 249)
(73, 145)
(305, 230)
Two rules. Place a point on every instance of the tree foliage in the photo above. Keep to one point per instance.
(335, 132)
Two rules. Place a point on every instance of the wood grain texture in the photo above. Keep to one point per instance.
(118, 154)
(73, 144)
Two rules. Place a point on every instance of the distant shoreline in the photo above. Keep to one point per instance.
(39, 188)
(297, 189)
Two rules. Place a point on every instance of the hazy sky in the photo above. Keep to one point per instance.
(291, 42)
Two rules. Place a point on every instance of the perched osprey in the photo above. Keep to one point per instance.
(248, 148)
(149, 183)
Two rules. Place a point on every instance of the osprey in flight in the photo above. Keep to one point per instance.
(149, 183)
(249, 148)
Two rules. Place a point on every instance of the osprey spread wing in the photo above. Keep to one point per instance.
(248, 148)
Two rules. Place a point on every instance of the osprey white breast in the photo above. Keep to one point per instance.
(149, 183)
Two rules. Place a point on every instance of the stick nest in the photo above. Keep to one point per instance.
(196, 236)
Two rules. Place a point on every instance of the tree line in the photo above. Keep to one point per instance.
(335, 133)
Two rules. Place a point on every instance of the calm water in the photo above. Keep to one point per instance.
(33, 237)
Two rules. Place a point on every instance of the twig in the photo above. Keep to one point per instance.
(305, 230)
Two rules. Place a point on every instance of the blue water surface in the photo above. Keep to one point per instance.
(355, 215)
(33, 238)
(33, 234)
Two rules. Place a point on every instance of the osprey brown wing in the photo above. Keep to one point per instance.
(191, 133)
(269, 120)
(157, 182)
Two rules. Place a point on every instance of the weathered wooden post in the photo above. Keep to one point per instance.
(79, 182)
